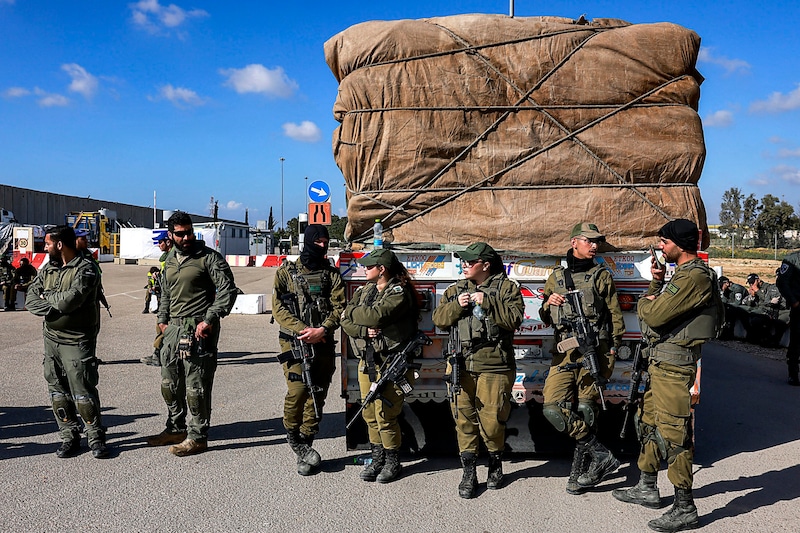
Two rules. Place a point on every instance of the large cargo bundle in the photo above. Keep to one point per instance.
(510, 130)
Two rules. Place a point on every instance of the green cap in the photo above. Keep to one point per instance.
(478, 250)
(381, 256)
(585, 229)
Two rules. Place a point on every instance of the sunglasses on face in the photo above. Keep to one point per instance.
(471, 263)
(182, 234)
(370, 267)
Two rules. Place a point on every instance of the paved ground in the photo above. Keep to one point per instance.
(748, 424)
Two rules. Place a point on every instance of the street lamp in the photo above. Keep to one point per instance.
(282, 160)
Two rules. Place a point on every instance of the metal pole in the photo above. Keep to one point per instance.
(511, 8)
(282, 160)
(154, 210)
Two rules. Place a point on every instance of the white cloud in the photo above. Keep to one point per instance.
(778, 102)
(16, 92)
(306, 131)
(82, 82)
(787, 173)
(731, 66)
(259, 79)
(233, 204)
(179, 96)
(50, 99)
(721, 119)
(153, 17)
(786, 153)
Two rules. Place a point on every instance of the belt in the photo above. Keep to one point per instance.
(674, 354)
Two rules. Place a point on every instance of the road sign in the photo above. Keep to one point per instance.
(319, 191)
(319, 213)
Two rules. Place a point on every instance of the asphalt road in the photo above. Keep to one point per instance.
(747, 473)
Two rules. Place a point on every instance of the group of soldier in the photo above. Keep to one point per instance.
(481, 312)
(758, 307)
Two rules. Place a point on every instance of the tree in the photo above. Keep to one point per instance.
(338, 225)
(730, 212)
(774, 217)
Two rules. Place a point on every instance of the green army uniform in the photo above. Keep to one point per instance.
(788, 282)
(321, 296)
(6, 283)
(676, 324)
(391, 311)
(489, 369)
(766, 320)
(160, 334)
(734, 295)
(66, 296)
(197, 286)
(732, 298)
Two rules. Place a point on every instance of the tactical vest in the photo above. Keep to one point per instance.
(594, 306)
(703, 325)
(313, 292)
(475, 333)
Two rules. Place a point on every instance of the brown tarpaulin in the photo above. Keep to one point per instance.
(511, 130)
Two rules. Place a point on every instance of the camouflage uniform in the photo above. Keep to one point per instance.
(788, 282)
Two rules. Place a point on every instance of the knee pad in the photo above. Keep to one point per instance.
(62, 406)
(555, 415)
(588, 411)
(168, 392)
(673, 451)
(87, 407)
(195, 400)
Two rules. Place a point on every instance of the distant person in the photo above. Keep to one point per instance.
(7, 283)
(197, 291)
(153, 288)
(482, 404)
(379, 320)
(732, 295)
(307, 302)
(764, 302)
(165, 245)
(571, 392)
(23, 277)
(677, 318)
(65, 294)
(788, 282)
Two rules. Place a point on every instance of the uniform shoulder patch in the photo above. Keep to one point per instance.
(672, 289)
(397, 288)
(783, 269)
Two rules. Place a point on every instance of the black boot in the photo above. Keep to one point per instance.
(371, 471)
(681, 517)
(643, 493)
(579, 460)
(307, 457)
(469, 481)
(495, 479)
(391, 468)
(603, 463)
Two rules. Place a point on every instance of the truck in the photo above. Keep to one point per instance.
(100, 227)
(486, 128)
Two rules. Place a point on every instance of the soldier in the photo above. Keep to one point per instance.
(23, 277)
(165, 245)
(788, 283)
(307, 301)
(7, 282)
(676, 319)
(380, 319)
(570, 391)
(732, 295)
(484, 309)
(765, 304)
(197, 291)
(65, 294)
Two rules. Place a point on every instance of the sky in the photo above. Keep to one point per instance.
(233, 100)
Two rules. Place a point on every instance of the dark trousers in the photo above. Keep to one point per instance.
(793, 352)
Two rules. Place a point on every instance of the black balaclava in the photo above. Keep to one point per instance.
(313, 255)
(578, 265)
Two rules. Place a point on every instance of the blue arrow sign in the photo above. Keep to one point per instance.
(319, 191)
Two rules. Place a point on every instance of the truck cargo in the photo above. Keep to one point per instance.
(510, 131)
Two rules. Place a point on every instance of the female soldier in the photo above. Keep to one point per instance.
(484, 310)
(380, 319)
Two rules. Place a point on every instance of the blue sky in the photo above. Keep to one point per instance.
(199, 98)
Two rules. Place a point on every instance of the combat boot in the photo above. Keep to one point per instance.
(188, 447)
(681, 517)
(166, 437)
(579, 460)
(307, 454)
(371, 471)
(304, 468)
(469, 480)
(495, 479)
(69, 448)
(603, 463)
(391, 468)
(643, 493)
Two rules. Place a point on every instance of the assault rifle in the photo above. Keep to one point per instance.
(633, 399)
(303, 352)
(454, 357)
(393, 370)
(585, 340)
